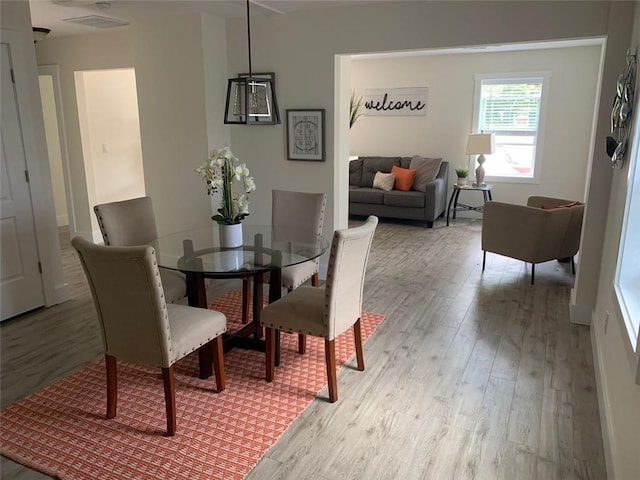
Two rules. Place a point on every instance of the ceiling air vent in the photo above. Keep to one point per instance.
(97, 21)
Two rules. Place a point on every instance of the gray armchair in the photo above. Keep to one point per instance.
(544, 229)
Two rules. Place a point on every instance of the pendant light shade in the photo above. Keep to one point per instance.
(251, 100)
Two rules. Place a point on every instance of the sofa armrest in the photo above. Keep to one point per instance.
(527, 233)
(435, 197)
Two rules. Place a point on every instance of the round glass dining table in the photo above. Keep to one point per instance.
(265, 249)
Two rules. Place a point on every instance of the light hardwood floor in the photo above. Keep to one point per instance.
(472, 375)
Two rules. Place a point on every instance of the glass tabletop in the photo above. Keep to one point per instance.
(263, 249)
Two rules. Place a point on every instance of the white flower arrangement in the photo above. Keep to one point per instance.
(221, 172)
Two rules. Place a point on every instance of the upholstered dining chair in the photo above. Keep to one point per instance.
(132, 222)
(329, 311)
(297, 216)
(137, 324)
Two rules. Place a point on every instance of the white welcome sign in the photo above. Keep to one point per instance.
(395, 101)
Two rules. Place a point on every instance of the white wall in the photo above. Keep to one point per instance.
(179, 92)
(110, 132)
(615, 360)
(449, 113)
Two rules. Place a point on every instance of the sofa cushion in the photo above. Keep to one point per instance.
(404, 178)
(396, 198)
(371, 165)
(355, 172)
(384, 181)
(405, 162)
(366, 195)
(426, 171)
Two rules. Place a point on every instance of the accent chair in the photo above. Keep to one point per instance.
(544, 229)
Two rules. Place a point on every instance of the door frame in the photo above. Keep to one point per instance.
(23, 60)
(54, 72)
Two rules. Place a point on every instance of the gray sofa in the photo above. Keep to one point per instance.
(423, 206)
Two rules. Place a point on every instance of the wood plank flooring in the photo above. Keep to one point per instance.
(472, 376)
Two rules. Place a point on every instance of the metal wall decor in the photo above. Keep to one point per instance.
(621, 112)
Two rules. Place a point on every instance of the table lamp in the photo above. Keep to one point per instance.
(479, 144)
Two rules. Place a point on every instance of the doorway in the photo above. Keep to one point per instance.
(110, 135)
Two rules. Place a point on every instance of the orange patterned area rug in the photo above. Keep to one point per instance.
(62, 430)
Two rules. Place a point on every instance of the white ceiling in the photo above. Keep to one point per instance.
(50, 13)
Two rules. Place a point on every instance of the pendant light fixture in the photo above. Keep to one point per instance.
(251, 100)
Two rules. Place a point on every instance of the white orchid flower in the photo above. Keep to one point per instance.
(213, 171)
(237, 173)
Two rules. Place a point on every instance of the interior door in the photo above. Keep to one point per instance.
(20, 278)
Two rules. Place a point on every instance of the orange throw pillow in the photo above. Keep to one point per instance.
(404, 178)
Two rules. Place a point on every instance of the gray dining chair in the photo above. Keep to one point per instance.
(138, 325)
(329, 311)
(296, 217)
(132, 222)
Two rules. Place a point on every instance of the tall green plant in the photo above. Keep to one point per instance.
(355, 108)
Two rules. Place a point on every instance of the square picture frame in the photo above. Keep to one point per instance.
(305, 134)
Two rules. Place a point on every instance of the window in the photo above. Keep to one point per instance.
(512, 107)
(627, 278)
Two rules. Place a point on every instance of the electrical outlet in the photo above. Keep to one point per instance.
(606, 322)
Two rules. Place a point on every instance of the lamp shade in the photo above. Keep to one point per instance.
(251, 101)
(480, 144)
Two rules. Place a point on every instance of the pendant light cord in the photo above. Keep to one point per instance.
(249, 39)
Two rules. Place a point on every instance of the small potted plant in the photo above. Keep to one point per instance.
(462, 173)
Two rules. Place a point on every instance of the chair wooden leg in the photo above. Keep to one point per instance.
(218, 362)
(330, 356)
(533, 272)
(357, 333)
(302, 343)
(112, 385)
(270, 350)
(170, 399)
(484, 259)
(302, 338)
(246, 288)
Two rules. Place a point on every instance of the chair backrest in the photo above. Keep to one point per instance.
(570, 243)
(127, 292)
(297, 216)
(345, 276)
(127, 223)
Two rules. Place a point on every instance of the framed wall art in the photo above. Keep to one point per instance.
(305, 135)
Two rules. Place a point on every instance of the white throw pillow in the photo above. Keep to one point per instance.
(384, 181)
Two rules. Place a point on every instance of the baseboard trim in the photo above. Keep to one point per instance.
(63, 292)
(579, 314)
(608, 440)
